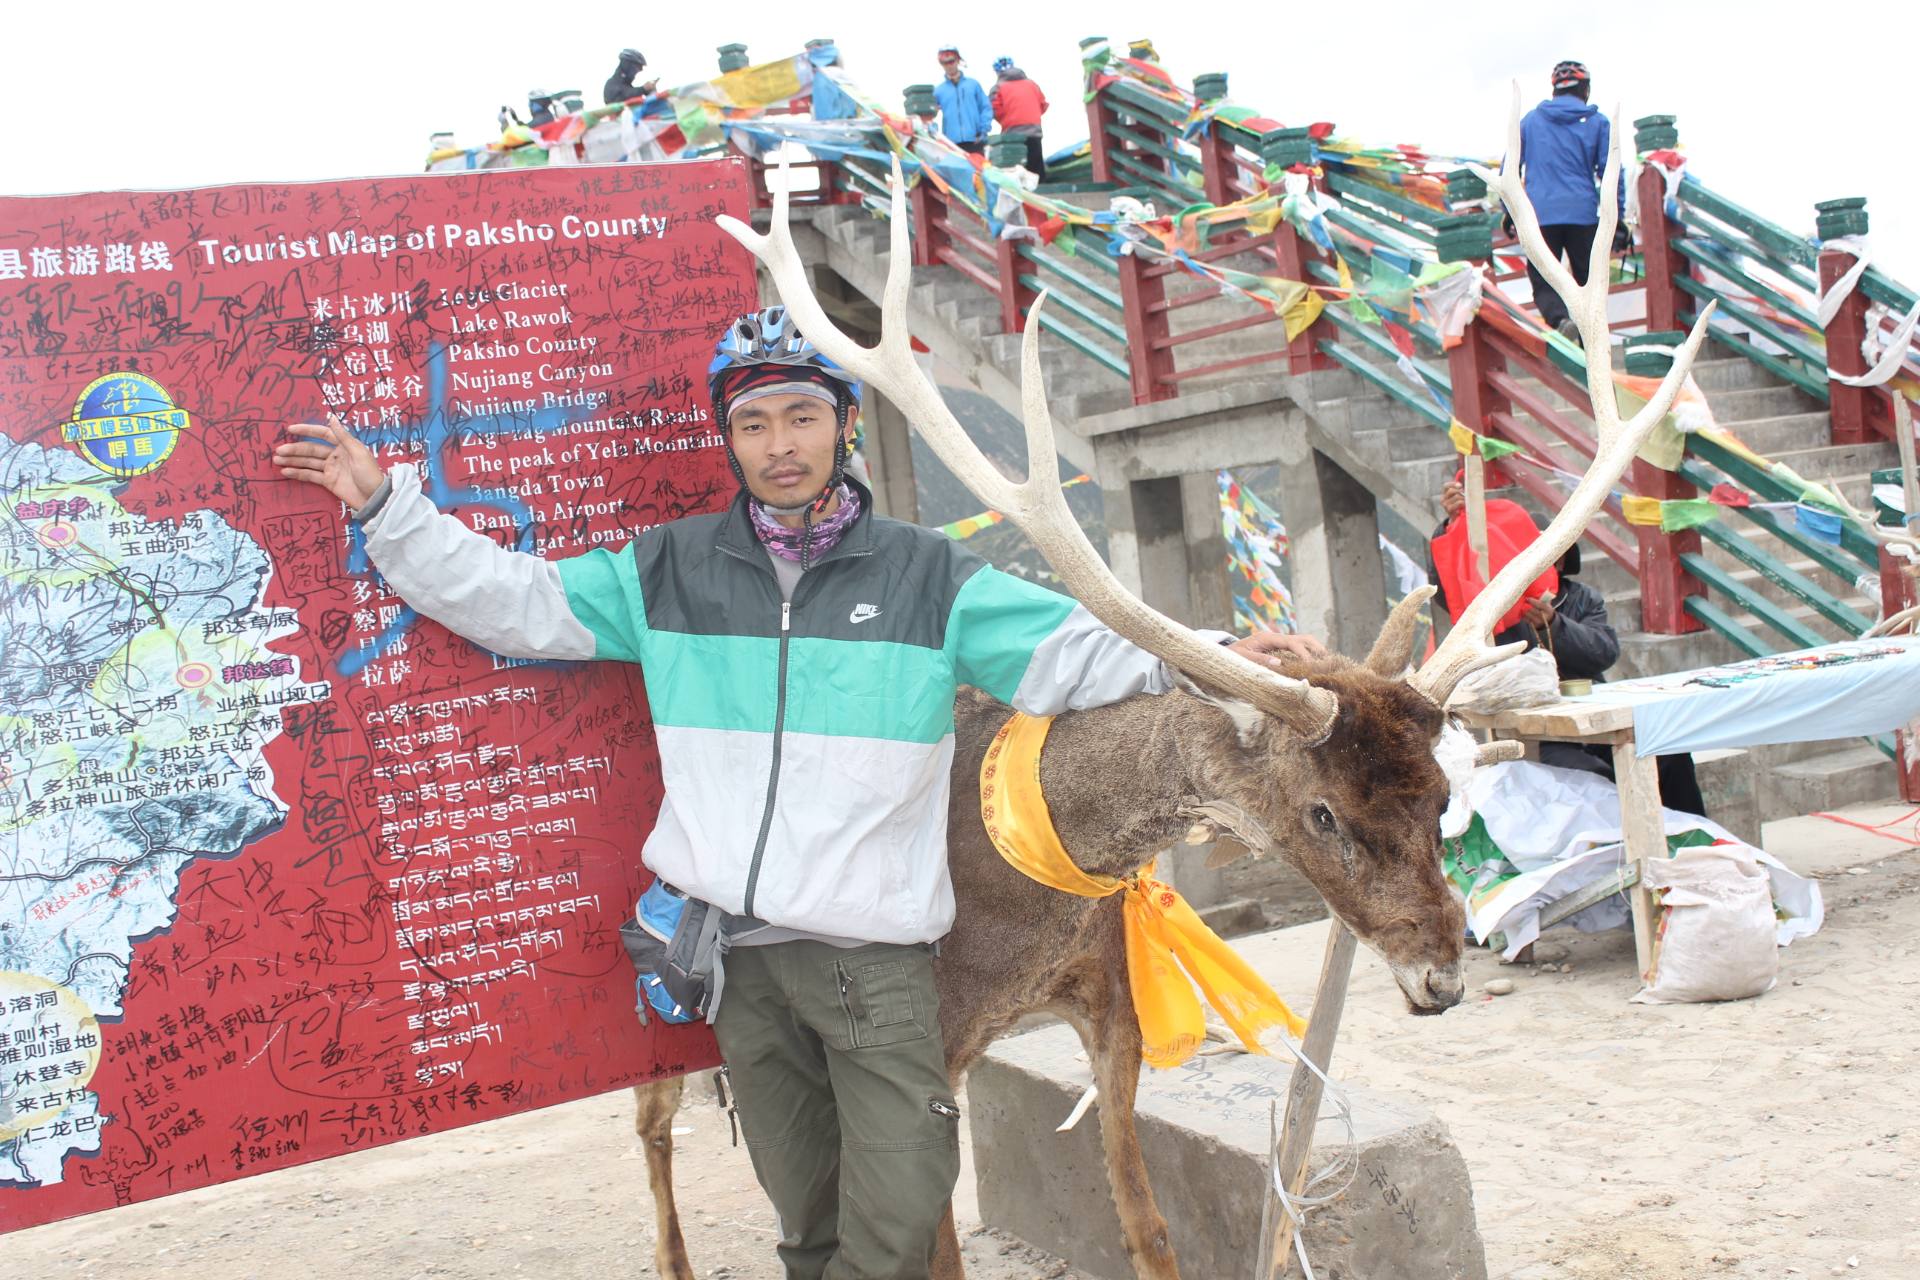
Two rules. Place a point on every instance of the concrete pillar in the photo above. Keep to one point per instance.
(1146, 536)
(889, 451)
(1333, 534)
(1209, 590)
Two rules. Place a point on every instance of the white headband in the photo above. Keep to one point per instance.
(813, 389)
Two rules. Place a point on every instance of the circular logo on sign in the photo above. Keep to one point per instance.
(125, 424)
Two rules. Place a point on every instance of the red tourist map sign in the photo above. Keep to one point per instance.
(285, 871)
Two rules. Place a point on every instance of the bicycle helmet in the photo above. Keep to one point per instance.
(1002, 65)
(1569, 74)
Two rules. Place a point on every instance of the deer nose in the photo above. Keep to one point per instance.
(1444, 986)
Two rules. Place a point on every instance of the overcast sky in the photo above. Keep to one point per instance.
(1774, 111)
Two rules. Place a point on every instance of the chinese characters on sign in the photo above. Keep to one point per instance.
(285, 870)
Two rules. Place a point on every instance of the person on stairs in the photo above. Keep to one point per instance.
(1563, 156)
(966, 117)
(1018, 104)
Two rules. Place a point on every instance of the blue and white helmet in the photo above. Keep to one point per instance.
(1002, 65)
(769, 337)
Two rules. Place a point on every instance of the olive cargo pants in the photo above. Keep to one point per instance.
(839, 1074)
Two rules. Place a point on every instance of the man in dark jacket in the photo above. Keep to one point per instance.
(1575, 627)
(1018, 105)
(620, 86)
(1563, 156)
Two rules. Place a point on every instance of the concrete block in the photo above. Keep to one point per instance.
(1730, 784)
(1406, 1214)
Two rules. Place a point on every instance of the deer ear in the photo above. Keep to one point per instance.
(1392, 652)
(1245, 716)
(1226, 850)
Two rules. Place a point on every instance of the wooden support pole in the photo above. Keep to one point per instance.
(929, 206)
(1149, 363)
(1290, 253)
(1667, 306)
(1898, 591)
(1099, 116)
(1015, 297)
(1645, 830)
(1475, 399)
(1304, 1091)
(1476, 487)
(1218, 166)
(1848, 407)
(1665, 582)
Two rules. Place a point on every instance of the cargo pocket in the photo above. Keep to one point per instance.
(881, 1004)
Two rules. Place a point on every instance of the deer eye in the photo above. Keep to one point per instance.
(1323, 819)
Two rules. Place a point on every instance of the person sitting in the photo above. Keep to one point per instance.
(1574, 626)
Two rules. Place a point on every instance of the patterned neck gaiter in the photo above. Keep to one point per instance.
(811, 541)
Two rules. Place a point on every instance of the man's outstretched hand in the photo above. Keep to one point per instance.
(1270, 649)
(331, 457)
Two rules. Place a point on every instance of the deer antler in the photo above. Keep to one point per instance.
(1036, 504)
(1470, 645)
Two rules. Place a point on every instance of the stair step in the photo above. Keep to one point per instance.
(1833, 779)
(1731, 373)
(1760, 402)
(1771, 436)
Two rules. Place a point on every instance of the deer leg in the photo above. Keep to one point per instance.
(655, 1105)
(946, 1251)
(1114, 1049)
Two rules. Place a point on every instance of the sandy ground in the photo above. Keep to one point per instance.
(1772, 1137)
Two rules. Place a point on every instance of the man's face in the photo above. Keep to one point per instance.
(950, 65)
(785, 446)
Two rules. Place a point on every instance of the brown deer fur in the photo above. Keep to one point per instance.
(1116, 780)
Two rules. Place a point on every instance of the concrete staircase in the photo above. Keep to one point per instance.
(1403, 459)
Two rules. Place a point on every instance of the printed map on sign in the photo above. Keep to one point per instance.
(120, 638)
(286, 871)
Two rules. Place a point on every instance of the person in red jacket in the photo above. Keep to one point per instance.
(1018, 105)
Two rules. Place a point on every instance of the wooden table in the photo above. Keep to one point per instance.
(1638, 777)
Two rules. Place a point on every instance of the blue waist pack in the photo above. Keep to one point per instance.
(648, 937)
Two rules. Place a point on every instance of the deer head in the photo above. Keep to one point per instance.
(1339, 767)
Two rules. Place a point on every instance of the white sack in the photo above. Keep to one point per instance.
(1714, 936)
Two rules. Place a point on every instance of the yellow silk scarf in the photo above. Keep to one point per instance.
(1163, 934)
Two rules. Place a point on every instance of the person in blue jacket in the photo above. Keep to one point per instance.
(1563, 155)
(966, 117)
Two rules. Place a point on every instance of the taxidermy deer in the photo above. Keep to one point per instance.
(1328, 764)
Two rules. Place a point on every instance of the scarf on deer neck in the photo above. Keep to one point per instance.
(1163, 934)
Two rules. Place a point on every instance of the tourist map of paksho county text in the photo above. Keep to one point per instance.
(285, 870)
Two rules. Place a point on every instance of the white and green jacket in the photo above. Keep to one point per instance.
(805, 747)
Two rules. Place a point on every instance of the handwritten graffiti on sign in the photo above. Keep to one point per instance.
(285, 870)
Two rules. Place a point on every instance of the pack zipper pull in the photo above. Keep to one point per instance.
(786, 609)
(723, 1082)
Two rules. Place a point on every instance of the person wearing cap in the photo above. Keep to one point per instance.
(802, 656)
(1563, 156)
(1018, 105)
(620, 86)
(1573, 624)
(966, 117)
